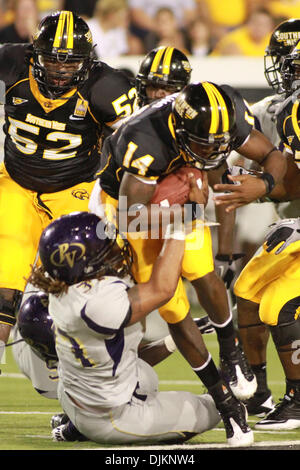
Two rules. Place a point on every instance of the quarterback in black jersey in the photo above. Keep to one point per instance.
(58, 99)
(199, 126)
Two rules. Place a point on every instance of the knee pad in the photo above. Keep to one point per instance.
(287, 329)
(9, 305)
(285, 333)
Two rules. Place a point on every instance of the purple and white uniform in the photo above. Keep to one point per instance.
(111, 395)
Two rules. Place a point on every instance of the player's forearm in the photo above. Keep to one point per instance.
(146, 297)
(275, 164)
(225, 230)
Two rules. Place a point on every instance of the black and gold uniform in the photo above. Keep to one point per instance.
(147, 147)
(52, 142)
(146, 144)
(272, 280)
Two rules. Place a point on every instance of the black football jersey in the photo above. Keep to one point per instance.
(54, 144)
(288, 118)
(145, 145)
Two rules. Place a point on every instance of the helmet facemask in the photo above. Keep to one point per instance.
(211, 152)
(56, 74)
(272, 65)
(62, 53)
(290, 72)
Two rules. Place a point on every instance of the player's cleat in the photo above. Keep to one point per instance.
(238, 374)
(67, 432)
(234, 415)
(204, 325)
(260, 404)
(286, 414)
(59, 419)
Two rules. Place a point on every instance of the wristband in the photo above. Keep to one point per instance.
(268, 180)
(169, 343)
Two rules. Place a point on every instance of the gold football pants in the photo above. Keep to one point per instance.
(273, 282)
(23, 216)
(197, 261)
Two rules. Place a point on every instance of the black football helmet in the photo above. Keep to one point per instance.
(80, 246)
(62, 53)
(36, 326)
(283, 39)
(205, 115)
(164, 66)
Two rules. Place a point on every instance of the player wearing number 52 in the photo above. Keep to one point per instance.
(58, 100)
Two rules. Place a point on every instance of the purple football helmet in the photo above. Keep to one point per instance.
(35, 326)
(80, 246)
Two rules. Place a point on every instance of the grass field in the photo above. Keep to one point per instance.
(25, 415)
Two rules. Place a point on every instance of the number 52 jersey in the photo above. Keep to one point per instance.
(53, 144)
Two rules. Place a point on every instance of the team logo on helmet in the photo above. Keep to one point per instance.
(67, 254)
(186, 65)
(288, 38)
(184, 109)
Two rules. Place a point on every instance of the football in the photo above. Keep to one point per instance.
(174, 188)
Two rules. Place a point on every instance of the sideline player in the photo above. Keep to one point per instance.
(108, 393)
(57, 101)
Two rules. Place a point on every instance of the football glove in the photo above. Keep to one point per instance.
(286, 231)
(226, 267)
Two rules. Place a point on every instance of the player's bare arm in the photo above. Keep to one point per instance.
(257, 148)
(161, 287)
(225, 219)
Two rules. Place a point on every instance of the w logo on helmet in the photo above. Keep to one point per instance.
(67, 253)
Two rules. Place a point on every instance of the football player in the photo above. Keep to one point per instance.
(58, 99)
(268, 287)
(164, 71)
(33, 348)
(199, 126)
(109, 394)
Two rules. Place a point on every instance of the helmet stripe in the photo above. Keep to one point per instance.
(214, 122)
(157, 59)
(60, 28)
(224, 110)
(70, 30)
(167, 60)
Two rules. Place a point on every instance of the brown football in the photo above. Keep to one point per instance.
(174, 188)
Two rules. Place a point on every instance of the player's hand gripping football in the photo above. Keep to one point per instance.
(198, 194)
(284, 231)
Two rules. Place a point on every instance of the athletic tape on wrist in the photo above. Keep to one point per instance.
(170, 344)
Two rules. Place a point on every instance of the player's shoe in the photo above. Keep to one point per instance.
(238, 374)
(67, 432)
(286, 414)
(57, 420)
(204, 325)
(260, 404)
(234, 415)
